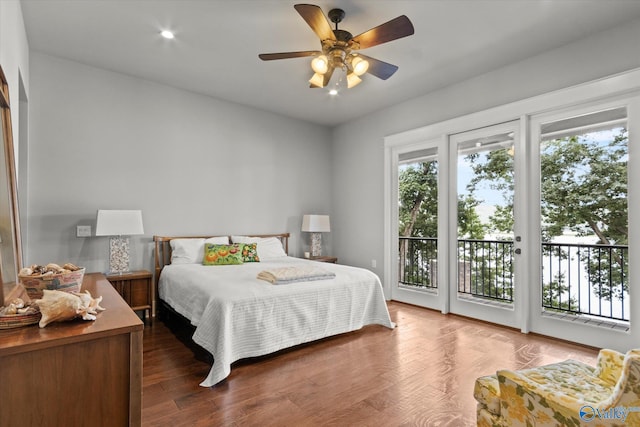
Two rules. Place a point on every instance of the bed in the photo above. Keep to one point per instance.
(237, 316)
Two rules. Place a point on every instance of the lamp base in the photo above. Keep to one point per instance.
(316, 244)
(118, 255)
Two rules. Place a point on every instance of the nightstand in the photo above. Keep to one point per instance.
(330, 259)
(135, 288)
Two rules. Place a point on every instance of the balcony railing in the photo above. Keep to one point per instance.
(578, 279)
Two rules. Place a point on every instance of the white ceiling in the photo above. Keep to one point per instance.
(217, 43)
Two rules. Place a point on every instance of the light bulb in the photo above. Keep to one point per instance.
(167, 34)
(359, 65)
(320, 64)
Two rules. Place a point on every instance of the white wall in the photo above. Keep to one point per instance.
(193, 164)
(358, 154)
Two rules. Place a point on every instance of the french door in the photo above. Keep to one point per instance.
(581, 156)
(455, 233)
(521, 214)
(486, 232)
(420, 222)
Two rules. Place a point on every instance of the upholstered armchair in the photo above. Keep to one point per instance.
(568, 393)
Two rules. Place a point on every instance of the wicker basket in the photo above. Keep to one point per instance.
(19, 320)
(68, 282)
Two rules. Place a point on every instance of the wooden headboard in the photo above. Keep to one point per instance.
(162, 253)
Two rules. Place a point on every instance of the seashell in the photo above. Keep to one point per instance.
(90, 305)
(48, 273)
(18, 302)
(52, 266)
(57, 306)
(9, 310)
(71, 267)
(25, 272)
(37, 270)
(95, 304)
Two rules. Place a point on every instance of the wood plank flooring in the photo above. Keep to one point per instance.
(419, 374)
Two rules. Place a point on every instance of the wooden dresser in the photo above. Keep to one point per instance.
(75, 373)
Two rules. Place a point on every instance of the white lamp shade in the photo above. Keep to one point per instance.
(119, 223)
(353, 80)
(316, 223)
(360, 66)
(320, 64)
(317, 80)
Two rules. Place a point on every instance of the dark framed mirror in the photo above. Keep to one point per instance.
(10, 246)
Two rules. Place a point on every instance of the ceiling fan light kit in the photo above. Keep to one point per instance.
(339, 46)
(320, 64)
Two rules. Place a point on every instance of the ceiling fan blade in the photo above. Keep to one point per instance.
(313, 15)
(392, 30)
(382, 70)
(285, 55)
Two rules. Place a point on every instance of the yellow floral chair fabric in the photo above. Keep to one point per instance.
(568, 393)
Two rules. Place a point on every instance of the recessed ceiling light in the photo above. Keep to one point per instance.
(333, 92)
(167, 34)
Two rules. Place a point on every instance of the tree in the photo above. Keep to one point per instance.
(583, 189)
(418, 216)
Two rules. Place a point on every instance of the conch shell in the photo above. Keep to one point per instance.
(92, 304)
(58, 306)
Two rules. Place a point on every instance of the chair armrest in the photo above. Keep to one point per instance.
(627, 390)
(609, 365)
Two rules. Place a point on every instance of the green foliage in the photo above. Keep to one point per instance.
(583, 190)
(554, 296)
(418, 204)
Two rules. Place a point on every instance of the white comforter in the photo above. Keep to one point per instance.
(237, 315)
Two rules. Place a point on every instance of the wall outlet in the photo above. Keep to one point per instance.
(83, 231)
(373, 263)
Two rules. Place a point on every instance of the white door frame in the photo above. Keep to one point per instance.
(574, 330)
(624, 84)
(504, 314)
(437, 299)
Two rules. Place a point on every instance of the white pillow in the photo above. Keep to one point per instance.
(191, 251)
(268, 247)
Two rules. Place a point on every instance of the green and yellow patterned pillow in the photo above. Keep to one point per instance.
(222, 254)
(250, 252)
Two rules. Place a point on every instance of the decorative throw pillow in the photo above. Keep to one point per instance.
(250, 252)
(191, 250)
(222, 254)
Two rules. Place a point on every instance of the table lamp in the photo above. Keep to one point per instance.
(119, 224)
(316, 224)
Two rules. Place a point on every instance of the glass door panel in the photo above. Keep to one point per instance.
(483, 266)
(584, 227)
(420, 229)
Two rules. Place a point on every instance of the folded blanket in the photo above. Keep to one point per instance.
(280, 276)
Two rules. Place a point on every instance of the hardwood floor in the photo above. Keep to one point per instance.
(421, 373)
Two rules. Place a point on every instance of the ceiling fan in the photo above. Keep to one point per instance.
(339, 47)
